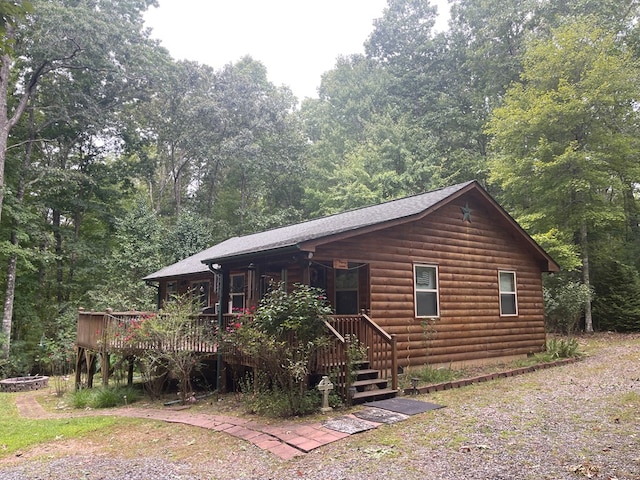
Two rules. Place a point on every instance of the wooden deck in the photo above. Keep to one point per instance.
(105, 333)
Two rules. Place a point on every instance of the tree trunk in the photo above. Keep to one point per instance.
(7, 122)
(57, 235)
(12, 267)
(584, 244)
(5, 67)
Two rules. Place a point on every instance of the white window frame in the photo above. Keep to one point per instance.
(233, 294)
(513, 293)
(417, 290)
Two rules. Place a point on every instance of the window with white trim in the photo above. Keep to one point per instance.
(425, 280)
(508, 294)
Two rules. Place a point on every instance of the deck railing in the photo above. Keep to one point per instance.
(381, 347)
(111, 331)
(114, 331)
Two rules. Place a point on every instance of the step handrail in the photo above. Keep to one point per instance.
(334, 331)
(391, 340)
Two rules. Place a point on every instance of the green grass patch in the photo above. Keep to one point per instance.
(18, 433)
(556, 348)
(104, 397)
(428, 375)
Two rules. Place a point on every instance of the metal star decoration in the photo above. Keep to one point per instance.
(466, 213)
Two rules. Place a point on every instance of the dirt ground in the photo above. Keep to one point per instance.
(571, 422)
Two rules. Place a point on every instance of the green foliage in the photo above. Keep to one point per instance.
(554, 159)
(136, 252)
(81, 397)
(562, 348)
(616, 305)
(131, 160)
(104, 397)
(282, 336)
(168, 331)
(300, 312)
(20, 433)
(266, 399)
(190, 235)
(428, 374)
(564, 303)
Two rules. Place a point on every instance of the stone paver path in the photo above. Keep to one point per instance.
(285, 441)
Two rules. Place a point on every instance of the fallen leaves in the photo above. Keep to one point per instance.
(468, 448)
(588, 470)
(378, 452)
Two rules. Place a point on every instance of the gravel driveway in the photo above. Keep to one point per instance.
(572, 422)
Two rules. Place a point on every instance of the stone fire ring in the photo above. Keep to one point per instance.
(23, 384)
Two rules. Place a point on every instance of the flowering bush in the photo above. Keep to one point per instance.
(165, 337)
(282, 336)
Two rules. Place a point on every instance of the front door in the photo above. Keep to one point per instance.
(346, 285)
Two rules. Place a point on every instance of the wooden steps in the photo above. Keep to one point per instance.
(369, 385)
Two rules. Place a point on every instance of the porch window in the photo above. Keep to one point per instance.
(200, 293)
(237, 293)
(508, 295)
(172, 290)
(425, 279)
(347, 291)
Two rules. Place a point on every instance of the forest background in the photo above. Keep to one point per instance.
(116, 160)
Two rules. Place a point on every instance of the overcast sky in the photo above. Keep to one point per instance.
(297, 40)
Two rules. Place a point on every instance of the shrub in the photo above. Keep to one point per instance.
(269, 400)
(107, 397)
(168, 330)
(562, 348)
(81, 398)
(282, 336)
(617, 304)
(564, 303)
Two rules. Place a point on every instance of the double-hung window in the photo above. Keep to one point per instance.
(237, 293)
(425, 280)
(508, 294)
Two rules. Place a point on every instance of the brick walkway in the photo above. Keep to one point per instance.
(285, 441)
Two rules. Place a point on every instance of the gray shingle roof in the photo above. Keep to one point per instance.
(293, 235)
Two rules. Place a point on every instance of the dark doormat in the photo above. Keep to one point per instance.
(404, 405)
(380, 415)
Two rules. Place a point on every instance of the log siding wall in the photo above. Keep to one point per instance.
(468, 257)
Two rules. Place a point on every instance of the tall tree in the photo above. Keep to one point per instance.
(92, 56)
(11, 14)
(566, 138)
(258, 150)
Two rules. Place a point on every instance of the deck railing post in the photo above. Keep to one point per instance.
(394, 363)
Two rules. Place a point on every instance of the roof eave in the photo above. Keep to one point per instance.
(251, 255)
(311, 245)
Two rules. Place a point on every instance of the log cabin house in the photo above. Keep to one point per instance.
(445, 277)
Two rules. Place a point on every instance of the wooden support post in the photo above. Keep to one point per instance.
(105, 365)
(394, 363)
(130, 372)
(91, 367)
(79, 356)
